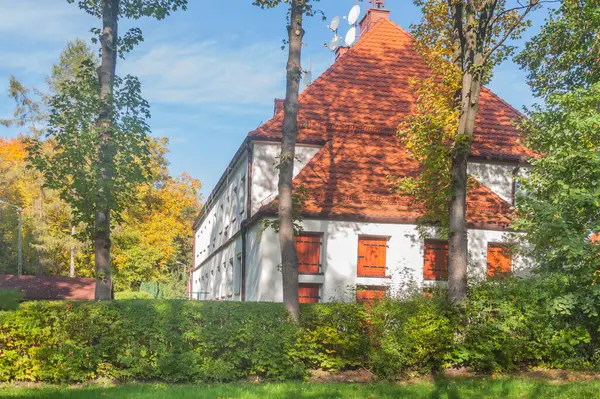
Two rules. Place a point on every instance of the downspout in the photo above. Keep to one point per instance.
(193, 266)
(245, 222)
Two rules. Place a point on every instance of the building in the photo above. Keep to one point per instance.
(50, 288)
(359, 238)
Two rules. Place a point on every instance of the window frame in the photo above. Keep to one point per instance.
(358, 256)
(319, 288)
(498, 274)
(438, 242)
(320, 235)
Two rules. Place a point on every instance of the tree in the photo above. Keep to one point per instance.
(461, 41)
(100, 130)
(559, 208)
(155, 238)
(289, 259)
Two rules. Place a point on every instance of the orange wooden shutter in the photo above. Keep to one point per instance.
(435, 265)
(369, 294)
(308, 293)
(308, 249)
(499, 260)
(372, 256)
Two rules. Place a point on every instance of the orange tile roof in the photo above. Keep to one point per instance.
(355, 108)
(348, 178)
(367, 90)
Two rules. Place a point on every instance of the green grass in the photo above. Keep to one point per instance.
(442, 389)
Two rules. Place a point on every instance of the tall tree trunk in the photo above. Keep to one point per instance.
(458, 253)
(289, 259)
(72, 250)
(106, 75)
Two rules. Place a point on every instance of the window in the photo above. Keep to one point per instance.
(435, 265)
(372, 256)
(308, 293)
(242, 195)
(308, 249)
(499, 260)
(369, 294)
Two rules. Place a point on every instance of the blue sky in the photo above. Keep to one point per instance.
(210, 73)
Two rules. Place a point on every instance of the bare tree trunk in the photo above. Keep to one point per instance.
(72, 250)
(458, 253)
(106, 74)
(289, 259)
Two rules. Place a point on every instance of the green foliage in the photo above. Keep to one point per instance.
(333, 336)
(128, 295)
(503, 326)
(173, 341)
(72, 167)
(412, 336)
(10, 299)
(565, 54)
(513, 324)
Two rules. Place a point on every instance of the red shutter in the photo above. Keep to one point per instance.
(308, 249)
(308, 293)
(499, 260)
(369, 294)
(372, 257)
(435, 265)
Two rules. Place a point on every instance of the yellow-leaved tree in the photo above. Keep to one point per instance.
(461, 41)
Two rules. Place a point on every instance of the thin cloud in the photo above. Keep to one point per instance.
(206, 72)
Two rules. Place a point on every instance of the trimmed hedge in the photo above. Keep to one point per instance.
(10, 299)
(174, 341)
(503, 326)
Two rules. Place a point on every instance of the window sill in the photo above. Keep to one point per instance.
(365, 276)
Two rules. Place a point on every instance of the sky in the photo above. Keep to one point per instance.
(210, 73)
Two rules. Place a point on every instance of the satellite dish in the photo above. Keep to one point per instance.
(335, 43)
(354, 14)
(335, 24)
(351, 36)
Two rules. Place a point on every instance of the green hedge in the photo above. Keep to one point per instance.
(503, 326)
(10, 299)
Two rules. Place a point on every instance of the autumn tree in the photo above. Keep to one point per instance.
(289, 259)
(461, 41)
(99, 126)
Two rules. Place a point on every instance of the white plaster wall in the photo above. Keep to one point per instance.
(219, 277)
(224, 219)
(264, 173)
(339, 259)
(497, 176)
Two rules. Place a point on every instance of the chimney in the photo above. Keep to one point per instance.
(278, 105)
(372, 17)
(341, 51)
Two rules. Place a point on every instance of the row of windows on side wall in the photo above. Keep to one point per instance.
(372, 256)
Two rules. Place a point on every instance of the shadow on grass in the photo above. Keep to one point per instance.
(439, 389)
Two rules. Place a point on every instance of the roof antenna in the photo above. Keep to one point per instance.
(337, 41)
(308, 76)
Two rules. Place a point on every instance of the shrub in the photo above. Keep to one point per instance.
(126, 295)
(411, 336)
(510, 324)
(10, 299)
(333, 336)
(173, 341)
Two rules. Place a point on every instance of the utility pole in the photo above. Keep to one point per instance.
(20, 238)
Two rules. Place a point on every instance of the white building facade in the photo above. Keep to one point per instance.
(360, 239)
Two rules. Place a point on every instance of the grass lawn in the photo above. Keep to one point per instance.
(450, 389)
